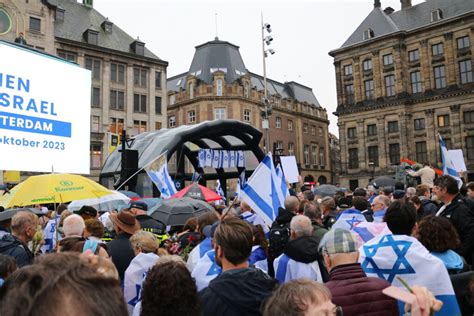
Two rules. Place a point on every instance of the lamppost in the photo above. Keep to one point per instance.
(266, 41)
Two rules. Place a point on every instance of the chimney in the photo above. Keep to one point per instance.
(405, 4)
(388, 10)
(377, 4)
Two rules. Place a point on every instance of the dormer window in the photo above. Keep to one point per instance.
(107, 26)
(436, 15)
(60, 14)
(91, 37)
(138, 47)
(368, 34)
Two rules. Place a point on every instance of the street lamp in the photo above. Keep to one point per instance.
(266, 41)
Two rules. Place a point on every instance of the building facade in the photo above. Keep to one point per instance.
(402, 77)
(128, 81)
(335, 158)
(219, 86)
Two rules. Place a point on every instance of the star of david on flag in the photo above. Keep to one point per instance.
(206, 270)
(157, 170)
(349, 218)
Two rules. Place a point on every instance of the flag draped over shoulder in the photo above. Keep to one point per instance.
(287, 269)
(389, 256)
(206, 270)
(448, 165)
(365, 231)
(158, 173)
(198, 252)
(262, 192)
(348, 219)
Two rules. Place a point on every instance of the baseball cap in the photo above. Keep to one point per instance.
(344, 202)
(338, 240)
(209, 230)
(139, 205)
(87, 210)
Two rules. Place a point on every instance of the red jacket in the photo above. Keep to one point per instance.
(358, 294)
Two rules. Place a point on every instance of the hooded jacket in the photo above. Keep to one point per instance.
(237, 292)
(14, 247)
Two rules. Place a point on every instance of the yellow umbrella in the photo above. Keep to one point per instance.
(52, 188)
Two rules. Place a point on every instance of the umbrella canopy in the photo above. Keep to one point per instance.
(152, 203)
(198, 192)
(132, 195)
(175, 212)
(326, 190)
(52, 188)
(383, 181)
(109, 202)
(8, 214)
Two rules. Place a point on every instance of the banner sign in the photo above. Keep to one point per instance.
(44, 112)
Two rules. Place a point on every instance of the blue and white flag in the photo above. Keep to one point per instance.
(225, 159)
(216, 158)
(262, 192)
(219, 190)
(198, 252)
(348, 219)
(258, 258)
(255, 219)
(232, 158)
(209, 155)
(206, 270)
(158, 173)
(202, 158)
(240, 159)
(389, 256)
(287, 269)
(241, 182)
(50, 235)
(134, 277)
(448, 165)
(282, 183)
(196, 176)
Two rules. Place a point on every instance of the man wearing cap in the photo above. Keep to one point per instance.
(120, 248)
(87, 212)
(350, 287)
(148, 223)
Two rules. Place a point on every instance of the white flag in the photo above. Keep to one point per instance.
(158, 173)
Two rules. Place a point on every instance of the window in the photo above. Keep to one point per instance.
(139, 77)
(35, 24)
(220, 114)
(419, 124)
(372, 130)
(95, 124)
(92, 37)
(117, 73)
(313, 130)
(351, 132)
(306, 154)
(139, 127)
(279, 147)
(393, 127)
(470, 147)
(157, 126)
(305, 128)
(219, 87)
(349, 89)
(139, 103)
(322, 161)
(67, 55)
(369, 89)
(394, 153)
(290, 125)
(443, 120)
(247, 90)
(414, 55)
(421, 152)
(353, 158)
(117, 100)
(158, 79)
(278, 122)
(436, 15)
(390, 85)
(348, 70)
(368, 34)
(437, 49)
(314, 154)
(95, 97)
(465, 71)
(116, 125)
(416, 84)
(320, 131)
(171, 121)
(291, 149)
(367, 65)
(158, 105)
(468, 117)
(388, 60)
(192, 116)
(440, 77)
(247, 115)
(463, 42)
(374, 155)
(59, 14)
(94, 66)
(96, 156)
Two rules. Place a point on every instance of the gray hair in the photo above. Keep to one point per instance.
(73, 225)
(21, 220)
(301, 225)
(411, 192)
(383, 199)
(146, 241)
(292, 203)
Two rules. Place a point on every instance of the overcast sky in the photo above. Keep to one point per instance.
(303, 31)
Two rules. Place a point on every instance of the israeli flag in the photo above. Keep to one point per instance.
(240, 159)
(348, 219)
(206, 270)
(134, 277)
(282, 182)
(209, 155)
(389, 256)
(287, 269)
(366, 231)
(262, 192)
(196, 176)
(219, 190)
(198, 252)
(50, 235)
(232, 158)
(241, 181)
(202, 158)
(216, 158)
(225, 159)
(258, 258)
(448, 165)
(254, 219)
(157, 170)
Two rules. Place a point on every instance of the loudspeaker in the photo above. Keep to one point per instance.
(129, 167)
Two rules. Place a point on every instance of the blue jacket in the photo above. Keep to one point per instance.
(13, 247)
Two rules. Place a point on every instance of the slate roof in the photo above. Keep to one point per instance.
(225, 56)
(408, 19)
(78, 18)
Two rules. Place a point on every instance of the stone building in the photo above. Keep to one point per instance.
(128, 81)
(219, 86)
(401, 77)
(335, 158)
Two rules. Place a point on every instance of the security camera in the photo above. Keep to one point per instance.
(271, 51)
(267, 27)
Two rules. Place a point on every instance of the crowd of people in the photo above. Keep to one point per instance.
(347, 254)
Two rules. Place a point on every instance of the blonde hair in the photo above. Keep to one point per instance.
(145, 241)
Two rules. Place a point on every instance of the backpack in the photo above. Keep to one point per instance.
(279, 236)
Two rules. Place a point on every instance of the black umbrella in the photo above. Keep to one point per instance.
(326, 190)
(383, 181)
(175, 212)
(8, 214)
